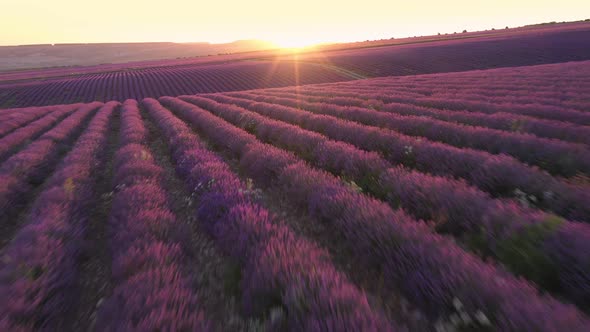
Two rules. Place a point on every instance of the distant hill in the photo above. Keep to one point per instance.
(61, 55)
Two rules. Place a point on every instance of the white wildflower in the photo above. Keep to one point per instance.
(457, 304)
(482, 318)
(466, 318)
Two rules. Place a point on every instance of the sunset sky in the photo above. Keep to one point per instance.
(288, 23)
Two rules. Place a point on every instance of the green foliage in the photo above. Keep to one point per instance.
(249, 126)
(517, 125)
(29, 272)
(36, 272)
(522, 251)
(232, 278)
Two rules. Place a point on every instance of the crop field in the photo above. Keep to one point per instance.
(240, 72)
(440, 202)
(157, 82)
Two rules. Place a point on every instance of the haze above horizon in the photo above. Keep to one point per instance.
(288, 24)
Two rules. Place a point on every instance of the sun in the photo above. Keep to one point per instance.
(294, 43)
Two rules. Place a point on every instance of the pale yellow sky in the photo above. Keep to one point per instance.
(288, 23)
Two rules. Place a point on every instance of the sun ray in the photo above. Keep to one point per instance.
(296, 74)
(272, 70)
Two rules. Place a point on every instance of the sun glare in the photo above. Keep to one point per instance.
(294, 44)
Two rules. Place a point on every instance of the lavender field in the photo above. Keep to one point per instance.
(439, 202)
(243, 71)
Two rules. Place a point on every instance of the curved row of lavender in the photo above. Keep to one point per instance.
(561, 89)
(506, 122)
(278, 268)
(554, 258)
(557, 157)
(460, 102)
(38, 272)
(499, 175)
(265, 71)
(430, 270)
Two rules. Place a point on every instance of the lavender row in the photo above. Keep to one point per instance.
(148, 245)
(474, 88)
(558, 86)
(11, 142)
(499, 175)
(505, 87)
(505, 96)
(8, 113)
(132, 128)
(509, 92)
(541, 112)
(559, 158)
(29, 167)
(552, 80)
(431, 270)
(19, 117)
(38, 273)
(278, 267)
(535, 110)
(502, 121)
(485, 224)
